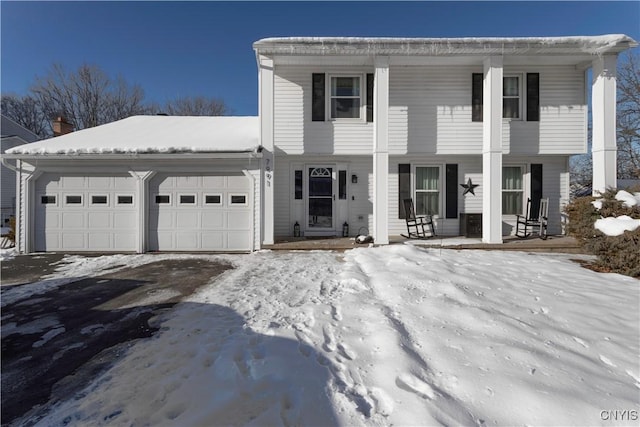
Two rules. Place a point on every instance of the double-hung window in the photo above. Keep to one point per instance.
(427, 190)
(511, 95)
(345, 97)
(512, 190)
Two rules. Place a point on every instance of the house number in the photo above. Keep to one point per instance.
(268, 174)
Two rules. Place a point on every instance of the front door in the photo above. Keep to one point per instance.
(320, 200)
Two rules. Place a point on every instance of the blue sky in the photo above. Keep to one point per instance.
(175, 49)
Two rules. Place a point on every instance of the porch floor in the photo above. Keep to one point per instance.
(560, 244)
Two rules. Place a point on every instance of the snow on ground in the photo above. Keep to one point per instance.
(395, 335)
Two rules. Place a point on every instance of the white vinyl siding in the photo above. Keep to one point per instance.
(296, 133)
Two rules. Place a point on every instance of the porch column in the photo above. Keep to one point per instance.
(603, 112)
(381, 151)
(265, 113)
(492, 151)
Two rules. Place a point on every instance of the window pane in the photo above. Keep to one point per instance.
(427, 203)
(511, 178)
(162, 199)
(99, 200)
(214, 199)
(345, 86)
(511, 108)
(74, 200)
(125, 200)
(298, 185)
(512, 203)
(510, 86)
(238, 200)
(187, 199)
(345, 108)
(342, 185)
(48, 200)
(427, 178)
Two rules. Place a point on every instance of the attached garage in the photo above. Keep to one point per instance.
(200, 212)
(85, 213)
(145, 183)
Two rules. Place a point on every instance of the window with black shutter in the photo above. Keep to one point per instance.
(451, 185)
(370, 98)
(476, 97)
(318, 97)
(404, 187)
(533, 97)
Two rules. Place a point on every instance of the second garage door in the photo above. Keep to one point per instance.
(200, 213)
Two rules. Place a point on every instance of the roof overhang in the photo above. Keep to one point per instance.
(134, 156)
(482, 46)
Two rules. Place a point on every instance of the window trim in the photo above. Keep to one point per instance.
(155, 199)
(219, 203)
(66, 199)
(520, 96)
(523, 172)
(118, 203)
(92, 203)
(414, 190)
(181, 203)
(362, 117)
(55, 199)
(246, 199)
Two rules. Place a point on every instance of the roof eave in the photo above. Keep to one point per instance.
(257, 153)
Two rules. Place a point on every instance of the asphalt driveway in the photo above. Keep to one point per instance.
(56, 342)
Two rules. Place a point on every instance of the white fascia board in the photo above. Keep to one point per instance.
(158, 156)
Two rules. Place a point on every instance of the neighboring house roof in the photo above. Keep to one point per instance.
(155, 134)
(14, 134)
(591, 45)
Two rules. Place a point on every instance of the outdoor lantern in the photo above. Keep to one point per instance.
(354, 179)
(296, 229)
(345, 229)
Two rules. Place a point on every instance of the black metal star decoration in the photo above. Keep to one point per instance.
(469, 187)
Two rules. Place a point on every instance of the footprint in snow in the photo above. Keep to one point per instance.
(305, 346)
(329, 338)
(383, 402)
(410, 383)
(581, 342)
(606, 361)
(346, 351)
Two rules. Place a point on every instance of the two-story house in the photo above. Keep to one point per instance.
(347, 129)
(352, 126)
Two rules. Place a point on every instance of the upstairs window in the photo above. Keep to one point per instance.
(349, 97)
(511, 97)
(345, 97)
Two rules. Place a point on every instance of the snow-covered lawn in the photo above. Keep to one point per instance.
(394, 335)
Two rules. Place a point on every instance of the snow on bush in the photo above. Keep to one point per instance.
(615, 226)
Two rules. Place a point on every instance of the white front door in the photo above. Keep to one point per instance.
(320, 212)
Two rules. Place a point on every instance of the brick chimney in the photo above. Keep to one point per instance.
(61, 126)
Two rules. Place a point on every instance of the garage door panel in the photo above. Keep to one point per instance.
(125, 220)
(99, 240)
(186, 240)
(73, 241)
(99, 220)
(212, 240)
(237, 240)
(203, 225)
(238, 220)
(213, 219)
(73, 220)
(91, 225)
(187, 219)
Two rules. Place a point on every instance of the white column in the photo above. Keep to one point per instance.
(492, 151)
(143, 178)
(381, 152)
(603, 113)
(265, 113)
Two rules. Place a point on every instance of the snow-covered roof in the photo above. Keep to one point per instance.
(155, 134)
(610, 43)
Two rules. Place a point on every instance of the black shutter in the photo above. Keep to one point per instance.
(370, 98)
(536, 188)
(533, 97)
(476, 97)
(404, 187)
(451, 190)
(317, 98)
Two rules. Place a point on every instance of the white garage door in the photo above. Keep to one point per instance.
(200, 213)
(85, 213)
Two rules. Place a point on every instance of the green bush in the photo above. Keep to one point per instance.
(616, 254)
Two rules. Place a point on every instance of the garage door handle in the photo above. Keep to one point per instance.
(334, 197)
